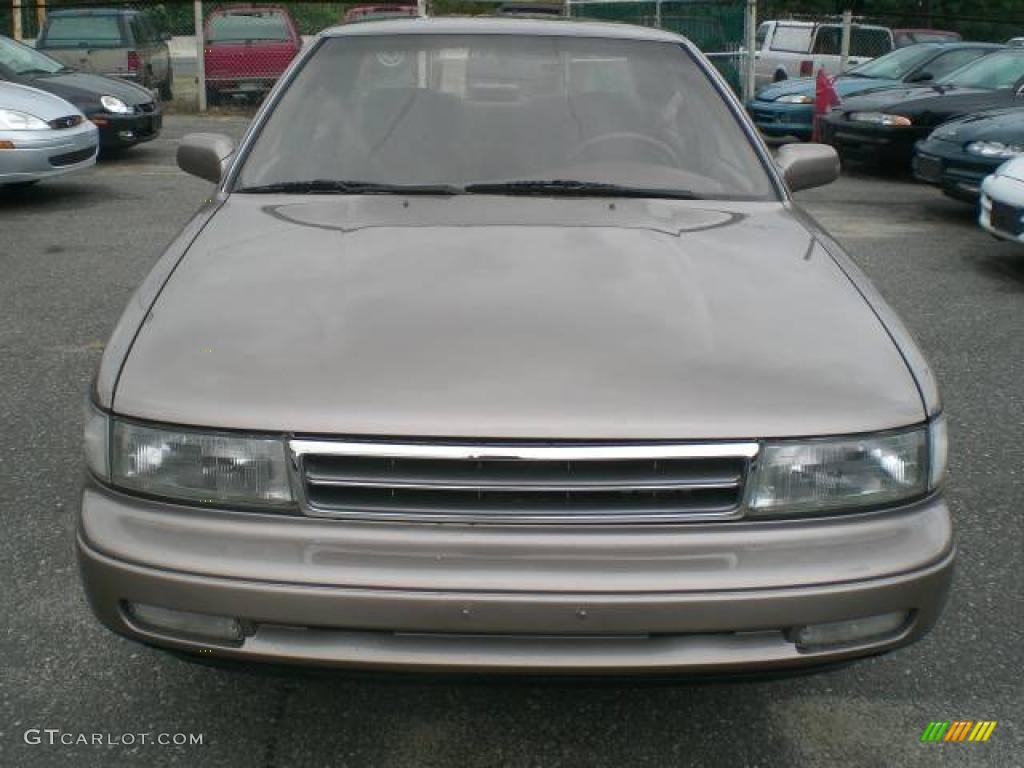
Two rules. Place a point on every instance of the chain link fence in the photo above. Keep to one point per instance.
(717, 27)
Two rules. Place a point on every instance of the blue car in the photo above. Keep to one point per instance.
(786, 108)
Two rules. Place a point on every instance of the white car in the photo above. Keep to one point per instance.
(41, 135)
(1002, 201)
(788, 49)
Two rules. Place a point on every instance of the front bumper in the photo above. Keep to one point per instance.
(863, 142)
(49, 153)
(118, 131)
(1007, 193)
(774, 119)
(958, 174)
(709, 598)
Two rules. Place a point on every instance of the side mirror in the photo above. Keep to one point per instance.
(808, 165)
(205, 155)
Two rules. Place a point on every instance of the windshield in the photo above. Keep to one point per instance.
(22, 60)
(255, 25)
(895, 65)
(1000, 70)
(460, 110)
(87, 31)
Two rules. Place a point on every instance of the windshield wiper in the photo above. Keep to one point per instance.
(571, 188)
(338, 187)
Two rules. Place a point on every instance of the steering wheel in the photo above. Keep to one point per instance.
(650, 142)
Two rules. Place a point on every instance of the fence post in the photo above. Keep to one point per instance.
(40, 15)
(16, 19)
(657, 13)
(750, 43)
(844, 58)
(200, 57)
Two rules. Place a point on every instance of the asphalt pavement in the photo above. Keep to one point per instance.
(71, 253)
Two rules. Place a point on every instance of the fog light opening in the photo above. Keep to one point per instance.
(885, 626)
(126, 135)
(186, 624)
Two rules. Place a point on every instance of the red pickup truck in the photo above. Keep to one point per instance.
(247, 48)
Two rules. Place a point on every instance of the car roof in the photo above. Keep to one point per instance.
(838, 23)
(497, 25)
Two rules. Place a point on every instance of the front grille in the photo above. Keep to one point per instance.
(522, 483)
(1007, 219)
(70, 158)
(69, 121)
(146, 108)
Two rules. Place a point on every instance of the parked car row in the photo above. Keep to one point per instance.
(951, 112)
(54, 119)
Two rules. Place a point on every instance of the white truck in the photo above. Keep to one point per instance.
(787, 49)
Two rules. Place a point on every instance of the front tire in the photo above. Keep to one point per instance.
(780, 75)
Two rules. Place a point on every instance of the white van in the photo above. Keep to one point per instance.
(786, 49)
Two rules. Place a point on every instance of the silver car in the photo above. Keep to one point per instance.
(41, 135)
(503, 346)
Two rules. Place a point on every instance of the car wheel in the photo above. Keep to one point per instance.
(780, 76)
(166, 87)
(212, 97)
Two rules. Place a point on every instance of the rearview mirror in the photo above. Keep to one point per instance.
(808, 165)
(205, 155)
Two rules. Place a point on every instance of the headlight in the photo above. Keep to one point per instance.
(881, 118)
(12, 120)
(212, 467)
(795, 98)
(847, 473)
(115, 105)
(996, 149)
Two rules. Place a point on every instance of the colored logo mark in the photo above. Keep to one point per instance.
(959, 730)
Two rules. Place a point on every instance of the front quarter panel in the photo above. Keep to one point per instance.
(900, 334)
(139, 305)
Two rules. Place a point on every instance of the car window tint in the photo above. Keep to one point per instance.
(139, 32)
(794, 39)
(1000, 70)
(19, 59)
(508, 108)
(897, 64)
(761, 35)
(258, 25)
(952, 60)
(83, 32)
(869, 42)
(828, 41)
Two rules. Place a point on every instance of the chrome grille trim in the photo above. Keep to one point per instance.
(521, 483)
(535, 452)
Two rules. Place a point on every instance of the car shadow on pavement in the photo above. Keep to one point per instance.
(78, 192)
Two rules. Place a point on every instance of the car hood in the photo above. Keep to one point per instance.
(844, 86)
(43, 105)
(1005, 125)
(84, 89)
(909, 101)
(492, 317)
(1012, 169)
